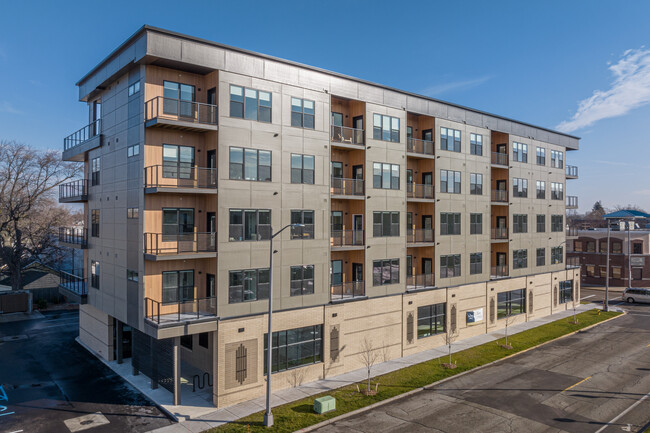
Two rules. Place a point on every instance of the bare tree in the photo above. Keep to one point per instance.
(575, 307)
(509, 320)
(297, 377)
(450, 337)
(369, 356)
(29, 213)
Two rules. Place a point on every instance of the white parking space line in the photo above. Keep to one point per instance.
(590, 296)
(616, 418)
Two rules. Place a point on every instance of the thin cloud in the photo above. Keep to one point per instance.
(6, 107)
(630, 89)
(455, 85)
(642, 192)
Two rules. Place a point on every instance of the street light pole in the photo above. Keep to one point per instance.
(606, 306)
(629, 256)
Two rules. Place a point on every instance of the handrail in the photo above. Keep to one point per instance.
(73, 283)
(84, 134)
(348, 289)
(187, 309)
(179, 176)
(500, 195)
(572, 170)
(500, 233)
(572, 201)
(74, 189)
(194, 242)
(423, 147)
(420, 281)
(347, 135)
(499, 158)
(177, 109)
(416, 190)
(499, 271)
(341, 186)
(73, 235)
(572, 262)
(571, 231)
(419, 235)
(344, 238)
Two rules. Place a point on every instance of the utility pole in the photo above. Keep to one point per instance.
(629, 256)
(606, 306)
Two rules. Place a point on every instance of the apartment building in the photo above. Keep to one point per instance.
(417, 217)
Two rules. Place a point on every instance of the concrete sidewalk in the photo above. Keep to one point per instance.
(202, 421)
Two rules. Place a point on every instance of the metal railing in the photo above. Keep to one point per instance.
(419, 282)
(73, 283)
(500, 195)
(179, 176)
(572, 231)
(347, 290)
(346, 135)
(572, 171)
(73, 190)
(499, 271)
(84, 134)
(415, 145)
(347, 238)
(177, 109)
(340, 186)
(415, 190)
(414, 236)
(571, 202)
(72, 235)
(572, 262)
(499, 158)
(500, 233)
(160, 244)
(182, 310)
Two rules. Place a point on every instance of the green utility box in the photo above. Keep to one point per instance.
(324, 404)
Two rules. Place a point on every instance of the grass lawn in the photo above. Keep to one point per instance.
(299, 414)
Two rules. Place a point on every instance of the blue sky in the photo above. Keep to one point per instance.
(580, 65)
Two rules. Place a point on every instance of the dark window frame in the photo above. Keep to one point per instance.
(475, 263)
(475, 144)
(378, 180)
(432, 320)
(255, 280)
(302, 175)
(301, 118)
(507, 300)
(387, 270)
(178, 292)
(303, 285)
(300, 216)
(259, 236)
(450, 266)
(453, 145)
(237, 170)
(263, 112)
(291, 348)
(388, 225)
(385, 134)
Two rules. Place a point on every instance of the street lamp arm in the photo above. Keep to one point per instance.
(284, 228)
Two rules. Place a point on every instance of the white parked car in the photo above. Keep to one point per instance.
(636, 295)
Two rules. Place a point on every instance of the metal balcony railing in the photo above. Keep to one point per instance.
(572, 262)
(160, 244)
(571, 171)
(499, 158)
(84, 134)
(414, 236)
(347, 290)
(571, 202)
(346, 135)
(499, 233)
(419, 282)
(347, 238)
(185, 111)
(423, 147)
(180, 311)
(179, 176)
(72, 235)
(499, 271)
(571, 232)
(340, 186)
(500, 195)
(75, 190)
(414, 190)
(73, 283)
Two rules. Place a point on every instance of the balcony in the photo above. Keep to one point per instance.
(571, 202)
(158, 246)
(347, 290)
(178, 313)
(571, 172)
(500, 159)
(347, 188)
(79, 142)
(500, 271)
(572, 262)
(419, 237)
(73, 287)
(178, 114)
(351, 138)
(73, 192)
(343, 240)
(499, 234)
(500, 196)
(419, 148)
(180, 179)
(420, 282)
(419, 192)
(73, 237)
(571, 232)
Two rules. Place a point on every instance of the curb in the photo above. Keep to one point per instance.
(431, 385)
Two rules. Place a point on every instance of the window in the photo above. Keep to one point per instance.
(133, 150)
(204, 338)
(250, 164)
(250, 225)
(591, 246)
(177, 286)
(617, 247)
(385, 176)
(302, 113)
(250, 104)
(186, 341)
(475, 144)
(556, 255)
(637, 247)
(336, 220)
(385, 272)
(178, 99)
(450, 223)
(519, 152)
(385, 224)
(248, 285)
(177, 224)
(94, 274)
(94, 223)
(475, 183)
(302, 168)
(577, 246)
(450, 139)
(475, 224)
(519, 259)
(616, 272)
(603, 271)
(519, 187)
(557, 159)
(431, 320)
(294, 348)
(541, 223)
(385, 128)
(590, 270)
(520, 223)
(306, 218)
(132, 213)
(178, 161)
(511, 303)
(475, 263)
(134, 88)
(450, 181)
(541, 189)
(94, 171)
(541, 256)
(566, 292)
(302, 280)
(557, 222)
(557, 192)
(132, 275)
(541, 156)
(450, 266)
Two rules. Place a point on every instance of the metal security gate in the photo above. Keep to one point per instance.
(154, 358)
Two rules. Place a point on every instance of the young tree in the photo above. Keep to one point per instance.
(29, 214)
(509, 320)
(450, 337)
(369, 357)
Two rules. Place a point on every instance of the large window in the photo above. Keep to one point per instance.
(250, 104)
(177, 286)
(565, 291)
(519, 223)
(450, 139)
(541, 223)
(302, 168)
(178, 161)
(541, 156)
(385, 224)
(94, 274)
(385, 128)
(475, 144)
(557, 221)
(385, 272)
(250, 164)
(557, 159)
(95, 167)
(475, 183)
(177, 223)
(302, 280)
(248, 285)
(450, 266)
(557, 191)
(431, 320)
(556, 255)
(385, 176)
(450, 223)
(302, 113)
(179, 99)
(541, 256)
(306, 218)
(541, 189)
(94, 223)
(294, 348)
(511, 303)
(519, 152)
(519, 187)
(450, 181)
(475, 263)
(250, 225)
(476, 224)
(519, 259)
